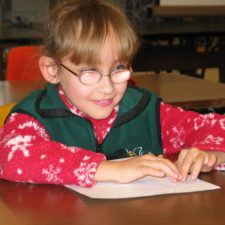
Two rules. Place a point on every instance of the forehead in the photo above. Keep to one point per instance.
(109, 50)
(92, 48)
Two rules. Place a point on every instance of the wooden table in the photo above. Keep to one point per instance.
(32, 204)
(185, 91)
(178, 90)
(14, 91)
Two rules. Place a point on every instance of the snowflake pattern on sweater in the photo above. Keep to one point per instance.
(29, 155)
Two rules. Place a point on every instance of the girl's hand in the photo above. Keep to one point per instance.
(135, 168)
(194, 161)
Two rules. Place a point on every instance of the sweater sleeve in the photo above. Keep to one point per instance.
(185, 129)
(27, 154)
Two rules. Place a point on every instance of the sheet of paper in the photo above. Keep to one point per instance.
(147, 186)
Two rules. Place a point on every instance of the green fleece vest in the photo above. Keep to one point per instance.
(135, 131)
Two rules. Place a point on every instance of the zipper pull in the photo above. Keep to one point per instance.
(118, 154)
(99, 148)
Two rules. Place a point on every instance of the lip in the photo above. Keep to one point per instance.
(103, 102)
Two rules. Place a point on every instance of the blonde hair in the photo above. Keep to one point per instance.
(77, 29)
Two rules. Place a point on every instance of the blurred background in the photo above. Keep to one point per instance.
(165, 27)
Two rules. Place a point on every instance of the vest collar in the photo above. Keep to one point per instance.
(50, 105)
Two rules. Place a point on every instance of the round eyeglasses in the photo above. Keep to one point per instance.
(120, 74)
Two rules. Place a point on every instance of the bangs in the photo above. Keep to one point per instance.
(92, 36)
(82, 32)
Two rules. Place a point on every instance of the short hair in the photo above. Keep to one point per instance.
(78, 29)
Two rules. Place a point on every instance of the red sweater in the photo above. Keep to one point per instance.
(28, 154)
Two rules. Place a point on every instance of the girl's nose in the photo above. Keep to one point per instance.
(106, 85)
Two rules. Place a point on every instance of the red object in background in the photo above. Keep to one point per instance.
(22, 63)
(132, 81)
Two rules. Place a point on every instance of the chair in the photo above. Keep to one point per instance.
(22, 63)
(4, 111)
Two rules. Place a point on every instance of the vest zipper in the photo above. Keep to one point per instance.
(98, 147)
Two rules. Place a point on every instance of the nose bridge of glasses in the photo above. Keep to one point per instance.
(106, 83)
(106, 75)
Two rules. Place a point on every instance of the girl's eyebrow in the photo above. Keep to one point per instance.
(86, 66)
(81, 66)
(89, 68)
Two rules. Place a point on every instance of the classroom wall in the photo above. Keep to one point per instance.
(29, 10)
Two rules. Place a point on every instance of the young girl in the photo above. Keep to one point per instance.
(88, 113)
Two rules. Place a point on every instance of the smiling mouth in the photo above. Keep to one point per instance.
(103, 102)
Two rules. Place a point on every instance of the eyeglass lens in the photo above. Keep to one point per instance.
(93, 77)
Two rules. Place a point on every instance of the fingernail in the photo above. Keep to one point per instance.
(175, 176)
(174, 180)
(161, 174)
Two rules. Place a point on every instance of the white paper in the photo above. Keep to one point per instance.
(147, 186)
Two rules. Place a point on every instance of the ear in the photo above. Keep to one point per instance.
(49, 69)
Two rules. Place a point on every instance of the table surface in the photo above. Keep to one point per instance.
(184, 91)
(32, 204)
(14, 91)
(178, 90)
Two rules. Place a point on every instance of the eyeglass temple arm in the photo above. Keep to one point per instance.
(58, 62)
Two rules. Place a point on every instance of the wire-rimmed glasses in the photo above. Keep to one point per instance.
(120, 74)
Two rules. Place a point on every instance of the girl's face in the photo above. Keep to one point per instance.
(98, 100)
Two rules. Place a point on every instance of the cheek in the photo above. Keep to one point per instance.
(75, 91)
(121, 88)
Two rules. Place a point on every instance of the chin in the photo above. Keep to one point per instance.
(100, 117)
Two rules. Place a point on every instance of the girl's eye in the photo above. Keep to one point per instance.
(120, 67)
(88, 70)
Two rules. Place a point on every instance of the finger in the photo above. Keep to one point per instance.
(151, 171)
(150, 159)
(212, 160)
(175, 169)
(197, 166)
(186, 166)
(168, 162)
(165, 168)
(207, 156)
(181, 158)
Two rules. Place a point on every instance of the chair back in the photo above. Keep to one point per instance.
(4, 111)
(22, 63)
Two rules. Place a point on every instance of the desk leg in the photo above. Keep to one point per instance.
(1, 64)
(222, 74)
